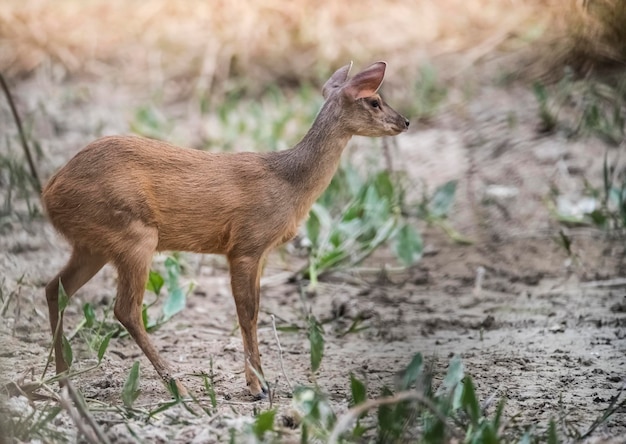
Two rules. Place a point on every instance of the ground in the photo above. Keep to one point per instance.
(539, 327)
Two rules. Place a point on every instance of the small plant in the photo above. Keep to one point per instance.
(603, 207)
(435, 209)
(268, 123)
(25, 423)
(176, 294)
(353, 218)
(419, 412)
(548, 114)
(583, 108)
(16, 184)
(131, 391)
(428, 94)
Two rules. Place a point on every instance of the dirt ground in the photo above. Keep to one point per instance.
(545, 330)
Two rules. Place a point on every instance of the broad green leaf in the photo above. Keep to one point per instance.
(104, 345)
(442, 199)
(130, 391)
(359, 393)
(90, 315)
(408, 245)
(470, 402)
(176, 299)
(412, 372)
(316, 339)
(68, 355)
(155, 282)
(63, 297)
(264, 422)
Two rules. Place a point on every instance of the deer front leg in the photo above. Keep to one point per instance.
(245, 281)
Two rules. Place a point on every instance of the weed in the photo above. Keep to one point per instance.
(602, 206)
(176, 298)
(16, 184)
(428, 94)
(273, 122)
(316, 340)
(591, 107)
(354, 217)
(25, 423)
(131, 391)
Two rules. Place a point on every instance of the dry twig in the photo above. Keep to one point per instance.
(18, 122)
(280, 353)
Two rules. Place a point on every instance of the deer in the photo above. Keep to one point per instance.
(122, 198)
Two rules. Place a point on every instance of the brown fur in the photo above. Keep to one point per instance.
(121, 199)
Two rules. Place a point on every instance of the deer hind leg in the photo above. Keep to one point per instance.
(245, 281)
(81, 267)
(133, 266)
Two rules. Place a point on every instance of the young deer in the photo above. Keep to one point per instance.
(121, 199)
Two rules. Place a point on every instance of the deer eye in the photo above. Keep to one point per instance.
(375, 103)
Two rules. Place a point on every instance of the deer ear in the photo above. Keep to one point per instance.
(367, 82)
(336, 80)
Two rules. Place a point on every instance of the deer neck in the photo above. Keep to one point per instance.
(310, 165)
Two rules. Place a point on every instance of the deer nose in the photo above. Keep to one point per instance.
(406, 122)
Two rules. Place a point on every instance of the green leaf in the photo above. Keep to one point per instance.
(130, 391)
(412, 372)
(90, 315)
(173, 388)
(63, 298)
(264, 422)
(384, 185)
(387, 419)
(408, 245)
(144, 317)
(553, 437)
(442, 199)
(176, 299)
(470, 402)
(210, 389)
(359, 393)
(155, 282)
(68, 355)
(319, 225)
(104, 345)
(316, 339)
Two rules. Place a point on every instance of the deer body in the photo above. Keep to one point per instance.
(121, 199)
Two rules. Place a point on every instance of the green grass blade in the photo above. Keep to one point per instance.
(130, 391)
(316, 340)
